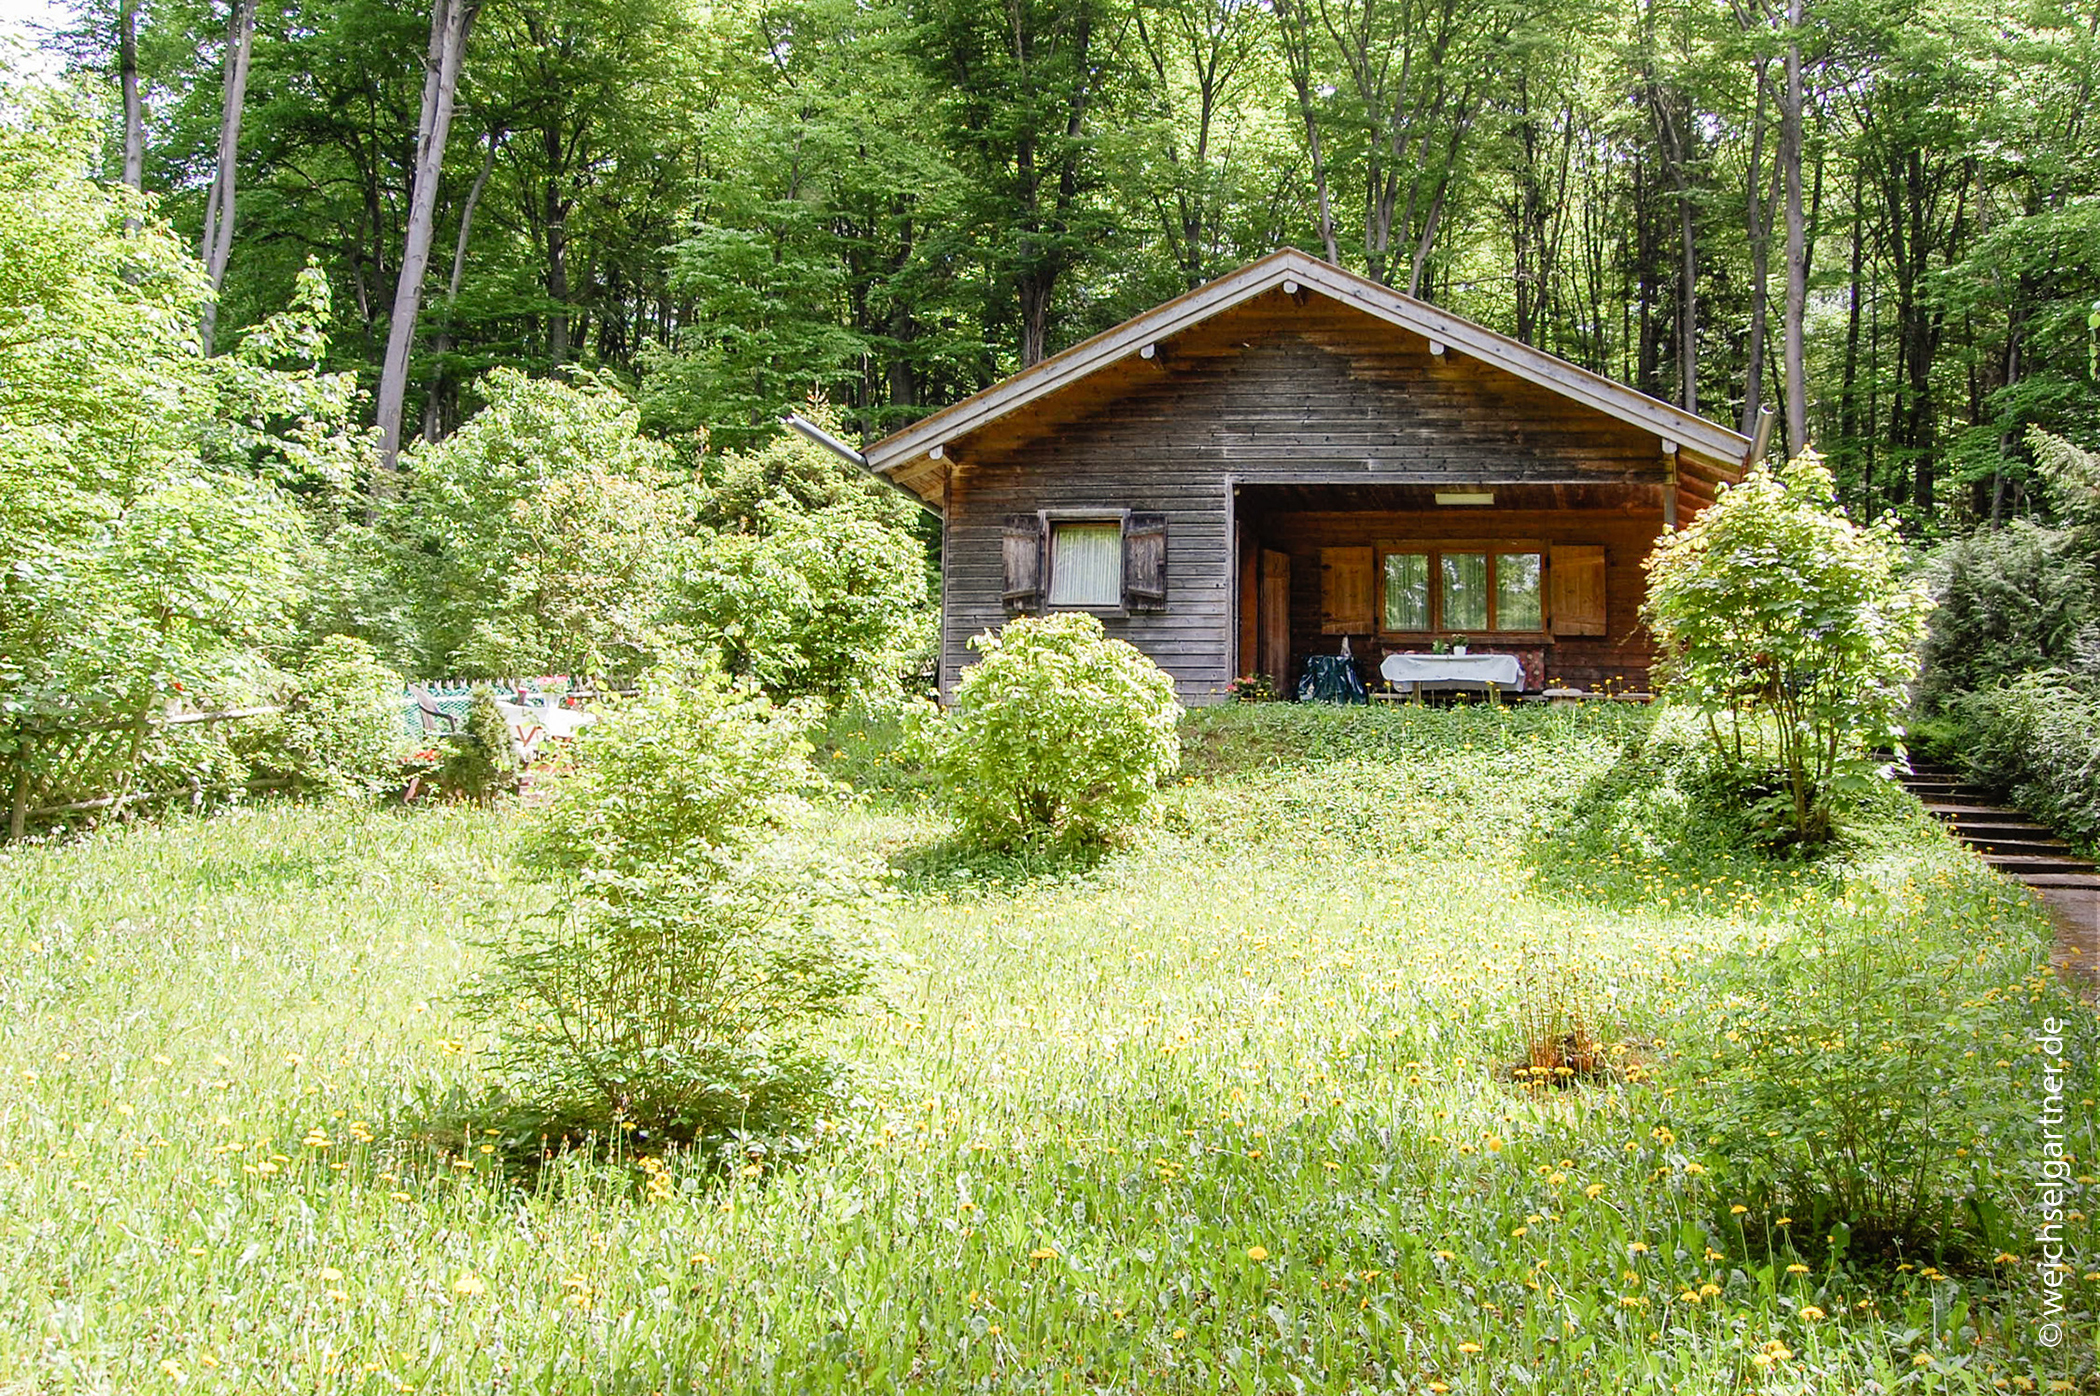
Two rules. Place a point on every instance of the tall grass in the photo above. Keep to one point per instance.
(1227, 1110)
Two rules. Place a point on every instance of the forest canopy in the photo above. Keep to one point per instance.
(890, 203)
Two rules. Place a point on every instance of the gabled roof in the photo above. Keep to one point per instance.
(1291, 269)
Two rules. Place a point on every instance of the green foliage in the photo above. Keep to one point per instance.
(1056, 732)
(2036, 739)
(1835, 1077)
(2021, 597)
(131, 566)
(2010, 600)
(534, 539)
(674, 988)
(830, 604)
(341, 727)
(481, 759)
(1791, 633)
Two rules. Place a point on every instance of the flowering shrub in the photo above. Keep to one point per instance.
(673, 988)
(1056, 732)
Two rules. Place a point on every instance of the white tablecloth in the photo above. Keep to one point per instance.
(1404, 671)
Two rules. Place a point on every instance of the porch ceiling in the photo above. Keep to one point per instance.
(1256, 500)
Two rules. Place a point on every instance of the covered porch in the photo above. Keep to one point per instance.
(1550, 574)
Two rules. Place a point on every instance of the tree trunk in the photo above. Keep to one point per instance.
(450, 22)
(1297, 50)
(554, 210)
(433, 404)
(1760, 206)
(218, 208)
(1794, 346)
(1034, 290)
(128, 76)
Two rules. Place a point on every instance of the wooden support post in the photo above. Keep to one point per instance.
(18, 815)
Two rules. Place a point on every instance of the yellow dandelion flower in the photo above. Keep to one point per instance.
(1811, 1314)
(330, 1273)
(1797, 1269)
(469, 1283)
(1469, 1349)
(1043, 1253)
(1257, 1254)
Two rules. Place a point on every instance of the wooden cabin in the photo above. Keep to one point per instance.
(1292, 454)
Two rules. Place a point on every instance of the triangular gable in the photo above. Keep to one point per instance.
(1719, 448)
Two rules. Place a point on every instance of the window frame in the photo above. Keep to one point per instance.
(1435, 549)
(1051, 519)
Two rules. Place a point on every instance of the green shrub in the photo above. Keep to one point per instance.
(1787, 628)
(674, 988)
(2011, 600)
(1057, 733)
(480, 761)
(2036, 740)
(341, 728)
(831, 604)
(1846, 1075)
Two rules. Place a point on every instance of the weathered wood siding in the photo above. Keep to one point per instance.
(1274, 392)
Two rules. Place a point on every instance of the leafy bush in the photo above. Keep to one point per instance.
(830, 604)
(1056, 732)
(2011, 600)
(534, 538)
(2036, 740)
(1787, 628)
(1845, 1076)
(480, 760)
(341, 728)
(675, 986)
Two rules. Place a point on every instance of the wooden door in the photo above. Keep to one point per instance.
(1276, 617)
(1247, 590)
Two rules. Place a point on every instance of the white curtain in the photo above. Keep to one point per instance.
(1086, 564)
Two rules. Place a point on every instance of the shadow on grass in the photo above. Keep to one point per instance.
(951, 864)
(445, 1132)
(1655, 829)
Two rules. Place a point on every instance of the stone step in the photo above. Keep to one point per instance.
(1972, 793)
(2068, 882)
(2019, 865)
(2000, 828)
(1955, 810)
(2041, 848)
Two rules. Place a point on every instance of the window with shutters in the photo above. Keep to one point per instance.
(1094, 560)
(1496, 587)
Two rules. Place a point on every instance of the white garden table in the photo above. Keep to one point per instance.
(1472, 671)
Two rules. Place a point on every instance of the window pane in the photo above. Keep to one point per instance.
(1406, 591)
(1465, 591)
(1086, 564)
(1517, 591)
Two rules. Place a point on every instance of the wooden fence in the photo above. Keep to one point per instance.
(54, 767)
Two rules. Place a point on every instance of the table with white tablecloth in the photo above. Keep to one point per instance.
(1407, 672)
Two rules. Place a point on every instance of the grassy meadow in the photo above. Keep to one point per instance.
(1227, 1110)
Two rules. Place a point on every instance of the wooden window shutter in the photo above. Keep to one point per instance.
(1024, 561)
(1145, 562)
(1575, 590)
(1348, 601)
